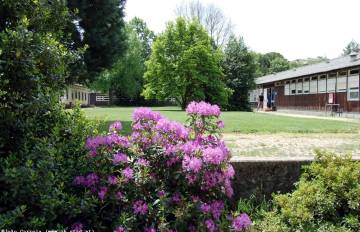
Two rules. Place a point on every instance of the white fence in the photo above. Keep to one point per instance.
(102, 98)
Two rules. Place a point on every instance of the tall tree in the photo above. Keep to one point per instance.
(125, 77)
(353, 46)
(239, 69)
(183, 66)
(144, 34)
(34, 66)
(101, 27)
(211, 17)
(271, 62)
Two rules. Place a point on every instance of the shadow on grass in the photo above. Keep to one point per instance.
(104, 127)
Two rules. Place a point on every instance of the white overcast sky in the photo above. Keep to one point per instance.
(295, 28)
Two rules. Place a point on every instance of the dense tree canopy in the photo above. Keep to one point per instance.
(100, 26)
(353, 46)
(271, 62)
(239, 69)
(184, 66)
(301, 62)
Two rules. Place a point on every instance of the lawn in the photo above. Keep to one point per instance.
(242, 122)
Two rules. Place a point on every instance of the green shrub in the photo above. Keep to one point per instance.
(36, 179)
(254, 206)
(327, 198)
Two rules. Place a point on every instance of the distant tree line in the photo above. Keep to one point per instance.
(197, 57)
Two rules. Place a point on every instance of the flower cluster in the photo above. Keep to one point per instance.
(203, 109)
(165, 174)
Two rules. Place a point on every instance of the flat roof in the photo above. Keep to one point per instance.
(326, 66)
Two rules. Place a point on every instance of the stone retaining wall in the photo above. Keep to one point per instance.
(264, 177)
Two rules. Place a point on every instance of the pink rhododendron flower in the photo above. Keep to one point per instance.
(216, 208)
(128, 173)
(144, 113)
(77, 227)
(191, 164)
(119, 158)
(213, 155)
(95, 142)
(203, 109)
(195, 198)
(229, 171)
(88, 181)
(191, 178)
(140, 207)
(116, 126)
(143, 162)
(117, 139)
(102, 192)
(119, 196)
(211, 179)
(220, 124)
(210, 225)
(120, 229)
(150, 229)
(205, 208)
(176, 198)
(172, 128)
(241, 222)
(112, 180)
(161, 193)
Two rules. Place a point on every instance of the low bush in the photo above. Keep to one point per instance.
(164, 177)
(327, 198)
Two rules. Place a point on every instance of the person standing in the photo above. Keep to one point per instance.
(260, 102)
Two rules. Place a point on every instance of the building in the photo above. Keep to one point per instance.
(80, 94)
(331, 85)
(76, 94)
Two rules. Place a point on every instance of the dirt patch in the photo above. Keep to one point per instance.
(290, 146)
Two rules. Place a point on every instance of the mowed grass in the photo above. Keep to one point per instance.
(241, 122)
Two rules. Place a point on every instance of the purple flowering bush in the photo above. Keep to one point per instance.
(165, 176)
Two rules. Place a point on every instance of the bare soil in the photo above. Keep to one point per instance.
(290, 146)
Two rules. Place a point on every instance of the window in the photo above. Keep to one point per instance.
(322, 84)
(299, 86)
(278, 83)
(85, 96)
(293, 87)
(72, 95)
(314, 84)
(306, 85)
(82, 96)
(353, 85)
(331, 83)
(341, 82)
(287, 88)
(67, 94)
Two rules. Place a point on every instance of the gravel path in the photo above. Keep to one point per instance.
(290, 146)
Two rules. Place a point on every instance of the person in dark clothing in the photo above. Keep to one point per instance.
(260, 102)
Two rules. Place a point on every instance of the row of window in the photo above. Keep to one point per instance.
(77, 95)
(333, 82)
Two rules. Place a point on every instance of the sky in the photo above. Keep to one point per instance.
(295, 28)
